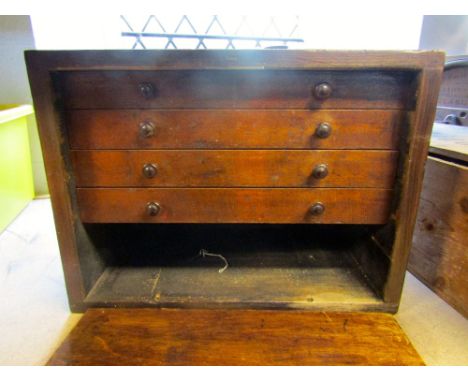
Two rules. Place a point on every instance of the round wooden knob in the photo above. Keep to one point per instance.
(146, 90)
(322, 90)
(323, 130)
(320, 171)
(153, 208)
(317, 209)
(150, 170)
(146, 129)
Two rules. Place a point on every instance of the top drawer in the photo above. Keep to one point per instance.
(256, 89)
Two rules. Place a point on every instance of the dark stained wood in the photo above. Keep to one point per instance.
(228, 337)
(411, 181)
(235, 129)
(314, 270)
(374, 266)
(239, 89)
(154, 266)
(440, 243)
(312, 288)
(309, 288)
(234, 205)
(238, 59)
(235, 168)
(58, 178)
(420, 73)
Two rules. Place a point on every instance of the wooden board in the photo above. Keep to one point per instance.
(234, 205)
(234, 337)
(234, 168)
(276, 268)
(243, 89)
(254, 286)
(439, 256)
(395, 238)
(234, 129)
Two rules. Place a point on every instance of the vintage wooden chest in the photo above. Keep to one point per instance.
(255, 179)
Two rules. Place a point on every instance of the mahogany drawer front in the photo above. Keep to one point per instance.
(235, 168)
(234, 205)
(210, 129)
(258, 89)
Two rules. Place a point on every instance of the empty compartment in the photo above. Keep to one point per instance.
(231, 265)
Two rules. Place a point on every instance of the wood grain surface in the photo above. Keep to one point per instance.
(397, 236)
(235, 168)
(234, 59)
(277, 266)
(234, 129)
(234, 205)
(414, 87)
(51, 137)
(244, 89)
(439, 255)
(234, 337)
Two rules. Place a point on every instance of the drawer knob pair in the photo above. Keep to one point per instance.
(323, 90)
(153, 209)
(150, 170)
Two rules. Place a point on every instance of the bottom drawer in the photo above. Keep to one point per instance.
(234, 205)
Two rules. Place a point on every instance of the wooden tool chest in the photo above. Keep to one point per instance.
(258, 179)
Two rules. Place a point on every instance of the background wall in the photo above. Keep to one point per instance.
(449, 33)
(16, 36)
(320, 31)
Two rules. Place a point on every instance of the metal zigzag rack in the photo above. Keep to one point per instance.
(203, 38)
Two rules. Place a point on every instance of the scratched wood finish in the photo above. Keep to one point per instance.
(153, 267)
(244, 89)
(399, 233)
(313, 287)
(234, 205)
(51, 138)
(228, 337)
(234, 168)
(83, 261)
(239, 59)
(439, 255)
(234, 129)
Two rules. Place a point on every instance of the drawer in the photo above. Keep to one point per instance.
(235, 168)
(234, 205)
(209, 129)
(257, 89)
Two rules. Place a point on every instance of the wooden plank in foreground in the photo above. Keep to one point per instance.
(234, 337)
